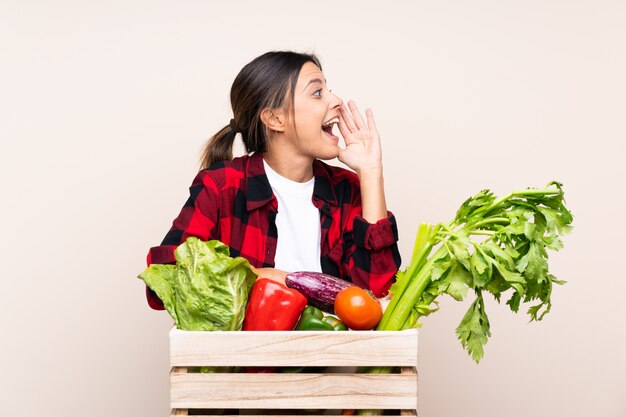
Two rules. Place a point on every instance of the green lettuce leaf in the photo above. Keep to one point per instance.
(206, 289)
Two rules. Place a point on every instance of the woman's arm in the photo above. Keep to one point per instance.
(363, 154)
(371, 255)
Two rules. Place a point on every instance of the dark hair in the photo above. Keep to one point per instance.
(262, 83)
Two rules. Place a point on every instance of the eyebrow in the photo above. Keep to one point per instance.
(314, 80)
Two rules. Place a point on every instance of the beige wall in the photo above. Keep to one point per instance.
(105, 105)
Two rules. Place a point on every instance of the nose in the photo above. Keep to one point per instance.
(335, 101)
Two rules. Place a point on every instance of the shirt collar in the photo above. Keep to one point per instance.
(259, 191)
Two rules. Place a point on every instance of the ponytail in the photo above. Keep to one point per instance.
(218, 148)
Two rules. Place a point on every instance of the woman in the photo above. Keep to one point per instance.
(280, 207)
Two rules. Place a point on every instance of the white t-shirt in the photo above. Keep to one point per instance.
(297, 222)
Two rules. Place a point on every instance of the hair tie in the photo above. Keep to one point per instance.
(233, 126)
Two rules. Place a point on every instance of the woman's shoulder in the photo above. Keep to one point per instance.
(223, 173)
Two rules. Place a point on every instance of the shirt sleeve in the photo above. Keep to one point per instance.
(198, 217)
(371, 251)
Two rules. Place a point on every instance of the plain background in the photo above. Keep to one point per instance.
(106, 105)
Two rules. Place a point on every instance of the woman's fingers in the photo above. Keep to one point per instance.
(370, 120)
(357, 116)
(347, 118)
(343, 128)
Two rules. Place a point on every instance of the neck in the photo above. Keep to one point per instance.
(298, 168)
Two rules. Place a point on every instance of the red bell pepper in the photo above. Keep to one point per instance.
(273, 306)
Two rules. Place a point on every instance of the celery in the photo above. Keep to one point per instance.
(493, 245)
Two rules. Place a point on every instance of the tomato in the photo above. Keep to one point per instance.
(357, 308)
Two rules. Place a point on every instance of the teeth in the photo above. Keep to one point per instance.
(331, 121)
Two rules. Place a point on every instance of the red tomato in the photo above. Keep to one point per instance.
(357, 308)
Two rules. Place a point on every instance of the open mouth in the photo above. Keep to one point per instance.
(328, 128)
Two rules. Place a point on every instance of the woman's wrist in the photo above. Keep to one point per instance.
(374, 206)
(369, 173)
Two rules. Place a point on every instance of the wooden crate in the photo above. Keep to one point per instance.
(329, 389)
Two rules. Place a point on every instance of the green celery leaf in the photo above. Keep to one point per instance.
(483, 198)
(425, 306)
(514, 279)
(480, 269)
(552, 241)
(399, 282)
(424, 310)
(510, 250)
(533, 290)
(473, 331)
(459, 251)
(554, 221)
(456, 282)
(514, 301)
(556, 280)
(440, 268)
(530, 231)
(534, 264)
(513, 228)
(501, 256)
(566, 215)
(542, 291)
(497, 284)
(534, 311)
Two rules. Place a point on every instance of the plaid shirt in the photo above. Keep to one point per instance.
(232, 201)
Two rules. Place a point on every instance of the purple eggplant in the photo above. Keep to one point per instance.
(319, 289)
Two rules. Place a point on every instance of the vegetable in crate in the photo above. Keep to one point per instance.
(335, 323)
(357, 308)
(319, 289)
(206, 289)
(314, 319)
(514, 233)
(273, 306)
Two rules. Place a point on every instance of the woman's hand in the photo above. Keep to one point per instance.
(271, 273)
(363, 154)
(363, 150)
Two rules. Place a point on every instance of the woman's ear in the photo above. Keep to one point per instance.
(274, 119)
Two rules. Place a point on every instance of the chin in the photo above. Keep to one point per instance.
(327, 154)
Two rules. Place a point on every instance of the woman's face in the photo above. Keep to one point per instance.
(314, 107)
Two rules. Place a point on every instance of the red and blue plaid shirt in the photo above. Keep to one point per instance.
(232, 201)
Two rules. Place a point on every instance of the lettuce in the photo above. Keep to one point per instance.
(206, 289)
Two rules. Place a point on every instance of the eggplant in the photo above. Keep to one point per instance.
(319, 289)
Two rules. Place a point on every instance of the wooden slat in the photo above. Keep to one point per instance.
(294, 348)
(294, 391)
(402, 413)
